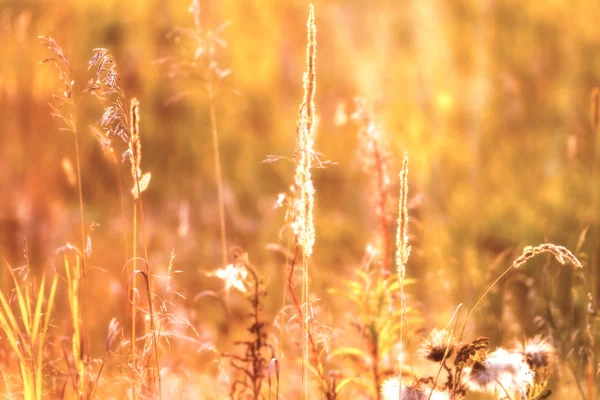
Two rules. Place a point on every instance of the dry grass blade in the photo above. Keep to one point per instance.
(113, 331)
(27, 342)
(149, 295)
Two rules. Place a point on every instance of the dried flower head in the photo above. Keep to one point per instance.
(538, 352)
(434, 346)
(501, 372)
(476, 350)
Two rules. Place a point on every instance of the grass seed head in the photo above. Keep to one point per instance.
(140, 181)
(402, 247)
(304, 224)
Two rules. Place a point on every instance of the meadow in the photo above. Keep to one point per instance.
(283, 200)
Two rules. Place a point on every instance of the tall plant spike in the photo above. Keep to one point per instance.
(304, 224)
(140, 184)
(402, 249)
(304, 229)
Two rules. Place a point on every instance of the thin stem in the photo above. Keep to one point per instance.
(283, 299)
(152, 326)
(302, 319)
(133, 306)
(77, 158)
(305, 330)
(218, 174)
(375, 365)
(122, 198)
(83, 241)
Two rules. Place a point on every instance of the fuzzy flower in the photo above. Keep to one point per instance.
(502, 372)
(434, 347)
(390, 390)
(233, 276)
(538, 352)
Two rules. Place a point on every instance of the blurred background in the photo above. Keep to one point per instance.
(491, 99)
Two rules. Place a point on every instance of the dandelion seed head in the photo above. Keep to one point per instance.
(538, 352)
(434, 346)
(501, 372)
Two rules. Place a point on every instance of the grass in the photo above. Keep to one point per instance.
(322, 323)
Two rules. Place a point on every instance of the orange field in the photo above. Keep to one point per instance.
(213, 199)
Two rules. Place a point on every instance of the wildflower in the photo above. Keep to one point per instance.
(233, 276)
(501, 372)
(538, 352)
(434, 347)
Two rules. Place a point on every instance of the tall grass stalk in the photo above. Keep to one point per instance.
(218, 173)
(202, 38)
(303, 224)
(73, 279)
(594, 222)
(133, 299)
(140, 185)
(65, 110)
(402, 252)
